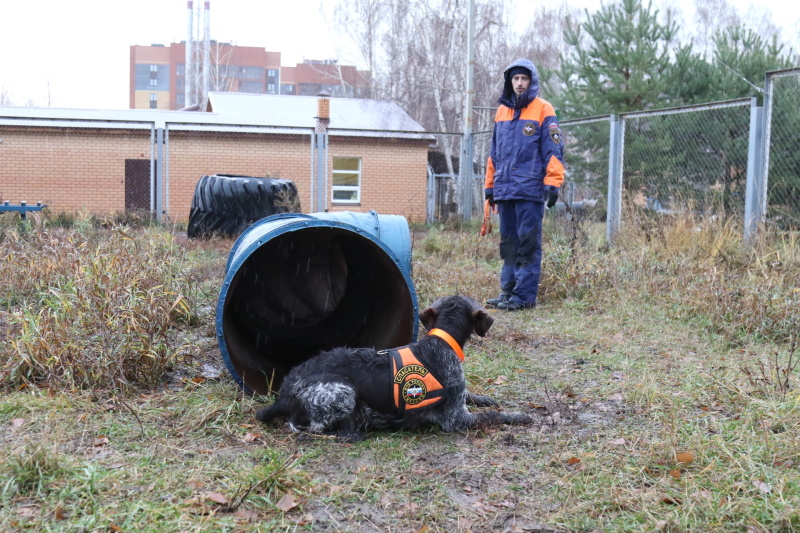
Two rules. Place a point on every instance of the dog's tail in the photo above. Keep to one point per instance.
(277, 409)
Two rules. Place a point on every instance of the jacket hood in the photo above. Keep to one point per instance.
(508, 98)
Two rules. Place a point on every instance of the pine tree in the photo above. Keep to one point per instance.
(619, 60)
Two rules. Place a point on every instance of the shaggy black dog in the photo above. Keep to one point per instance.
(346, 391)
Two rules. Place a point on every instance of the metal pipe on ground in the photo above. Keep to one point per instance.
(298, 284)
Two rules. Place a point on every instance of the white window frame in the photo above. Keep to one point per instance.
(348, 188)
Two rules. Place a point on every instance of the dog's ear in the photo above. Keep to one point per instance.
(428, 317)
(483, 321)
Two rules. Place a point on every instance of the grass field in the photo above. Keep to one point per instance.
(662, 374)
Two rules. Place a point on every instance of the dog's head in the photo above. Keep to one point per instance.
(458, 313)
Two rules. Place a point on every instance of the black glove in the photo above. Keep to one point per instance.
(490, 197)
(552, 197)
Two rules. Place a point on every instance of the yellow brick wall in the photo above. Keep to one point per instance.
(73, 169)
(394, 174)
(69, 169)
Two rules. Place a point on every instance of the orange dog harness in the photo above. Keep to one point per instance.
(413, 385)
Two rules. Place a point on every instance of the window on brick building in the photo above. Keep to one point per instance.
(346, 182)
(153, 100)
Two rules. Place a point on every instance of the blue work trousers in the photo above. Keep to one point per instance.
(521, 249)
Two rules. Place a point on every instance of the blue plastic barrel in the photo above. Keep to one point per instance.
(298, 284)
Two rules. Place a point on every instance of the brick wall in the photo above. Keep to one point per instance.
(69, 169)
(74, 169)
(393, 174)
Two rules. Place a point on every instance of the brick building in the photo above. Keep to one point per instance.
(106, 161)
(158, 75)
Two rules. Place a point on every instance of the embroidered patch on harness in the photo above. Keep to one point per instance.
(414, 391)
(529, 128)
(404, 372)
(555, 133)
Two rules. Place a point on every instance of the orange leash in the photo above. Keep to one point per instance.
(488, 209)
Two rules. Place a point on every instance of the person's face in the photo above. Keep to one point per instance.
(520, 83)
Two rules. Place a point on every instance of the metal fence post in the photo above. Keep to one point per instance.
(165, 164)
(467, 175)
(465, 165)
(614, 202)
(755, 193)
(157, 191)
(767, 132)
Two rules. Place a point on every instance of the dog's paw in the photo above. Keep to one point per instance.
(518, 419)
(349, 435)
(481, 401)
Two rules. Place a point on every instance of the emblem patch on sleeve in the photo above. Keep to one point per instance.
(555, 133)
(529, 128)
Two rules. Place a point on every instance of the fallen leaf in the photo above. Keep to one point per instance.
(250, 437)
(763, 488)
(671, 501)
(287, 503)
(386, 501)
(248, 515)
(618, 442)
(615, 397)
(194, 484)
(216, 497)
(675, 473)
(617, 375)
(27, 512)
(114, 527)
(17, 422)
(198, 379)
(59, 513)
(100, 441)
(685, 458)
(573, 461)
(500, 380)
(308, 518)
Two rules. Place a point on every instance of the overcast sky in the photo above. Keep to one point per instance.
(76, 53)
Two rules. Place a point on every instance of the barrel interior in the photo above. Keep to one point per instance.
(308, 290)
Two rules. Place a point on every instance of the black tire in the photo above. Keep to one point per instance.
(226, 205)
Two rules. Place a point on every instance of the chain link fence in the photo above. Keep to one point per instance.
(783, 149)
(687, 160)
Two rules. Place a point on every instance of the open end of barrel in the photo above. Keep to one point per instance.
(309, 290)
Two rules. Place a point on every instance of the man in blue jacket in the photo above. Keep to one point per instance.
(524, 173)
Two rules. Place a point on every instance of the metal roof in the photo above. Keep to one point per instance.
(301, 111)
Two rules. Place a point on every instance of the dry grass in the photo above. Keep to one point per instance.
(663, 374)
(91, 309)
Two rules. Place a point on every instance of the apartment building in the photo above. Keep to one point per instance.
(158, 75)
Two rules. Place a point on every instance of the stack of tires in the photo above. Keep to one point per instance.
(225, 205)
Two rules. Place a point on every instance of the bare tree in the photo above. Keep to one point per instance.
(221, 78)
(5, 97)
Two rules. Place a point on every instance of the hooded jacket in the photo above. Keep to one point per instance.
(527, 154)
